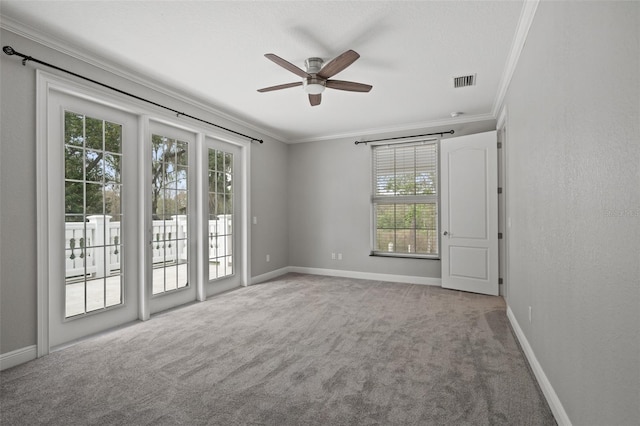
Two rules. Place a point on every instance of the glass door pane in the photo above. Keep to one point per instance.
(92, 214)
(170, 211)
(223, 230)
(220, 221)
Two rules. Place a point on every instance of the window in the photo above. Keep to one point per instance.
(405, 199)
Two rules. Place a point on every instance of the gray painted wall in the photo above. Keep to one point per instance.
(18, 185)
(269, 171)
(330, 210)
(573, 194)
(17, 204)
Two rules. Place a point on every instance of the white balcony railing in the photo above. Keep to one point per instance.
(94, 248)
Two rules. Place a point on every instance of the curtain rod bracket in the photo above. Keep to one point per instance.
(25, 58)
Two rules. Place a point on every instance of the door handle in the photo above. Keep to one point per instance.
(445, 233)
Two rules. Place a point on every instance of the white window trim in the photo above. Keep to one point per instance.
(408, 199)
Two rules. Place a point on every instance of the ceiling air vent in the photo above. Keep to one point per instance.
(464, 81)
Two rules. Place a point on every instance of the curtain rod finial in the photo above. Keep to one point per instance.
(8, 50)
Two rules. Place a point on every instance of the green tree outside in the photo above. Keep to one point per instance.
(408, 227)
(93, 152)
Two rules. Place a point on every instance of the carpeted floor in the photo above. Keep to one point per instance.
(298, 350)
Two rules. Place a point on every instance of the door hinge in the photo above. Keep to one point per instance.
(499, 145)
(500, 281)
(499, 190)
(499, 235)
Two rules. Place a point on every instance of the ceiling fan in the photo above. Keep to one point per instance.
(316, 78)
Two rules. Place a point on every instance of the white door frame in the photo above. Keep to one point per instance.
(503, 128)
(46, 86)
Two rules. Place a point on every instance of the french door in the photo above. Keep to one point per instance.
(92, 192)
(135, 215)
(94, 188)
(170, 190)
(222, 210)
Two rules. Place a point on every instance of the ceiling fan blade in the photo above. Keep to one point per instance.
(280, 86)
(349, 86)
(287, 65)
(338, 63)
(315, 99)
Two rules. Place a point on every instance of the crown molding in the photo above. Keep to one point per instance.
(399, 128)
(526, 17)
(65, 48)
(522, 30)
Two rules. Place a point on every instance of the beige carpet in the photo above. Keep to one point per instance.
(298, 350)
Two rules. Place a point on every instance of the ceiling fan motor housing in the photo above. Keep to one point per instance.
(314, 65)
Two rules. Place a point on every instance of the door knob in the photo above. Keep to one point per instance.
(445, 233)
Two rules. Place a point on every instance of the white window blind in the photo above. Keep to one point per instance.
(405, 199)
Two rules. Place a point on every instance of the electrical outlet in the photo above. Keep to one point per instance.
(529, 314)
(339, 256)
(333, 256)
(268, 258)
(255, 220)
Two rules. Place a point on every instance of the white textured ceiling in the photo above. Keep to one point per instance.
(213, 51)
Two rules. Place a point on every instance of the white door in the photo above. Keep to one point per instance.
(170, 188)
(469, 179)
(222, 260)
(92, 213)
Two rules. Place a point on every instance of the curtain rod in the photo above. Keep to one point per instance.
(450, 132)
(25, 58)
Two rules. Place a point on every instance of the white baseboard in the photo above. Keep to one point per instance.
(409, 279)
(550, 394)
(17, 357)
(269, 275)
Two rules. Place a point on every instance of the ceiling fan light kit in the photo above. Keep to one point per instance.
(317, 76)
